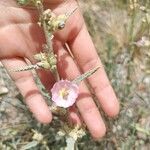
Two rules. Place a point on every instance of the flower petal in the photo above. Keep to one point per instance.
(72, 91)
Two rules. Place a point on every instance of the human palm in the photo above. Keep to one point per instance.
(21, 38)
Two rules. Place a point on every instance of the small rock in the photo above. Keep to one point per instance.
(129, 113)
(3, 90)
(114, 129)
(119, 128)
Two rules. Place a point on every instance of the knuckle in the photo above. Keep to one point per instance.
(89, 108)
(23, 78)
(91, 63)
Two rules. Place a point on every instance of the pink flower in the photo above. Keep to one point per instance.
(64, 93)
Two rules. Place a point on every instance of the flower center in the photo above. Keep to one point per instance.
(64, 93)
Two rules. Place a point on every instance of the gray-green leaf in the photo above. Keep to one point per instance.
(30, 145)
(85, 75)
(70, 143)
(23, 2)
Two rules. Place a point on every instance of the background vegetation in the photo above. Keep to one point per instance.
(121, 32)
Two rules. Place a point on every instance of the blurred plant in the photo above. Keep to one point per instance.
(120, 30)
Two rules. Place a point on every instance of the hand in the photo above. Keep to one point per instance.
(21, 38)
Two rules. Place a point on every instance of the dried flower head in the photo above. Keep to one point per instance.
(64, 93)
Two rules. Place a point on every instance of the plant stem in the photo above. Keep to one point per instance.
(48, 35)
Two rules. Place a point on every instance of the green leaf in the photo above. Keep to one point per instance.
(26, 2)
(23, 2)
(140, 129)
(85, 75)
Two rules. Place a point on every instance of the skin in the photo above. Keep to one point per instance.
(21, 38)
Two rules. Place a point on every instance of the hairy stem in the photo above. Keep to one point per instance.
(48, 35)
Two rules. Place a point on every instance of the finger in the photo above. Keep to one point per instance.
(25, 82)
(27, 40)
(85, 103)
(74, 117)
(87, 58)
(13, 14)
